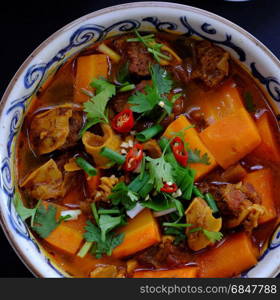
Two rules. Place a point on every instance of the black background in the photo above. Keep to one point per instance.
(26, 24)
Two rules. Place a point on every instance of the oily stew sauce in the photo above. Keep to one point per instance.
(150, 155)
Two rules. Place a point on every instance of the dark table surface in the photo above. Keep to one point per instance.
(26, 24)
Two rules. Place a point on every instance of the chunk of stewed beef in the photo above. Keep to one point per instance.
(211, 64)
(139, 59)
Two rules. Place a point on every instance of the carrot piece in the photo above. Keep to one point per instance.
(263, 182)
(68, 236)
(92, 183)
(192, 137)
(140, 232)
(231, 138)
(74, 196)
(88, 68)
(65, 238)
(218, 103)
(185, 272)
(233, 256)
(234, 173)
(269, 147)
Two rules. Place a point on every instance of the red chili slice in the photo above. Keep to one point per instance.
(133, 158)
(169, 188)
(123, 121)
(178, 149)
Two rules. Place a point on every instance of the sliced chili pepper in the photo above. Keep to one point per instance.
(179, 151)
(133, 157)
(169, 188)
(123, 121)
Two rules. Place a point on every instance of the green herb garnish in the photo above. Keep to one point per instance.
(195, 156)
(149, 133)
(107, 223)
(152, 46)
(212, 236)
(153, 94)
(101, 246)
(96, 106)
(121, 194)
(86, 166)
(112, 155)
(211, 202)
(160, 171)
(23, 211)
(45, 220)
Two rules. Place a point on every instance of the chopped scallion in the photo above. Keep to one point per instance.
(197, 192)
(86, 166)
(146, 189)
(138, 182)
(148, 133)
(179, 225)
(112, 155)
(126, 88)
(84, 250)
(108, 211)
(211, 202)
(94, 212)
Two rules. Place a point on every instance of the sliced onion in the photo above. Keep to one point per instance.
(73, 213)
(164, 212)
(135, 210)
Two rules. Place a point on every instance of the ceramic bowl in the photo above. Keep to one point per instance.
(154, 16)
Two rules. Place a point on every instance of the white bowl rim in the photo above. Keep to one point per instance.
(20, 252)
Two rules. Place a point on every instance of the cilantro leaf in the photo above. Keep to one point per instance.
(96, 106)
(194, 156)
(93, 233)
(23, 211)
(45, 220)
(158, 203)
(115, 240)
(161, 79)
(143, 102)
(100, 247)
(160, 171)
(153, 94)
(249, 102)
(107, 223)
(122, 194)
(164, 201)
